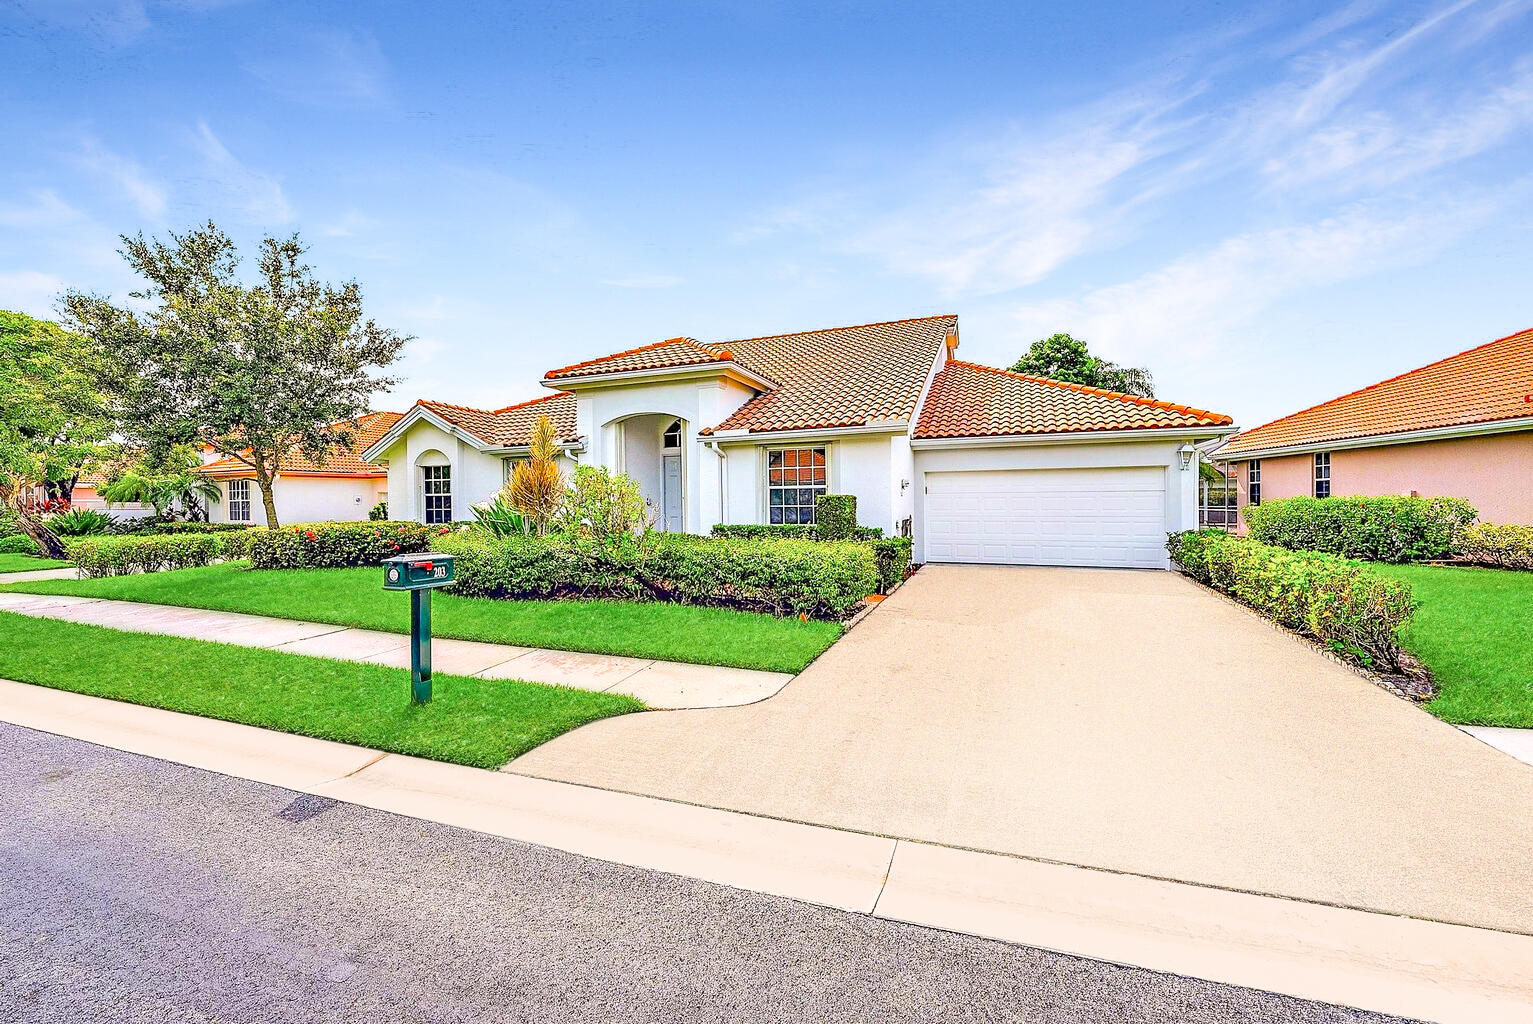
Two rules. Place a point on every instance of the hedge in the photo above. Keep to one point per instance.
(119, 556)
(18, 544)
(835, 516)
(786, 577)
(1382, 529)
(892, 554)
(1495, 544)
(1336, 601)
(786, 531)
(337, 545)
(164, 526)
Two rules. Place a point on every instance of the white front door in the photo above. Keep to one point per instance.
(1099, 517)
(670, 477)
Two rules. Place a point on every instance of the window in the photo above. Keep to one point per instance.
(1322, 474)
(672, 436)
(795, 479)
(1254, 482)
(239, 501)
(436, 490)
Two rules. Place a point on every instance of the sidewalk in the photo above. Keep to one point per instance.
(1373, 961)
(663, 685)
(67, 572)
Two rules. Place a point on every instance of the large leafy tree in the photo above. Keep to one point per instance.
(1062, 357)
(255, 371)
(53, 416)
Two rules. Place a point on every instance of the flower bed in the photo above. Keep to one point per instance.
(1338, 602)
(336, 545)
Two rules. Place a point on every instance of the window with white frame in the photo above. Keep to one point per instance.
(795, 480)
(1254, 482)
(436, 494)
(239, 501)
(1322, 474)
(672, 436)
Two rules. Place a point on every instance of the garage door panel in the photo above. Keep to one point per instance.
(1099, 517)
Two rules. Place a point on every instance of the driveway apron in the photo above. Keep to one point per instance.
(1124, 720)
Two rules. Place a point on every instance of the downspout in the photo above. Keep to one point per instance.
(713, 446)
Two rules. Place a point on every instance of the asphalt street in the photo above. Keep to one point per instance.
(137, 890)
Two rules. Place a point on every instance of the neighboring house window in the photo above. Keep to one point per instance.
(1322, 474)
(436, 490)
(239, 501)
(1254, 482)
(795, 479)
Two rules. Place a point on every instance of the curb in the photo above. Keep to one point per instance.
(1371, 961)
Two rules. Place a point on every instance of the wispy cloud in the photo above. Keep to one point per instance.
(226, 183)
(125, 175)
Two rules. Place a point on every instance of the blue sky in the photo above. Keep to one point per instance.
(1266, 206)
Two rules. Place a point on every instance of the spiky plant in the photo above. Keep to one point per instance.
(536, 488)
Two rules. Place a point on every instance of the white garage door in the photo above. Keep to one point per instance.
(1105, 517)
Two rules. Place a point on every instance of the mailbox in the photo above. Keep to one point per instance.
(417, 572)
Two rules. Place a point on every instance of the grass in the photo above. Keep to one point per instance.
(481, 722)
(1474, 630)
(26, 563)
(354, 597)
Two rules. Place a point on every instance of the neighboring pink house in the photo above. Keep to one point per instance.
(1461, 427)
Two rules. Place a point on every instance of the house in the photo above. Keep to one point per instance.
(1460, 427)
(978, 464)
(343, 487)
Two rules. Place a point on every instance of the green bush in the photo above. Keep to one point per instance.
(79, 522)
(160, 526)
(1499, 545)
(781, 531)
(379, 513)
(10, 520)
(118, 556)
(337, 545)
(1338, 602)
(892, 554)
(235, 544)
(1381, 529)
(835, 516)
(499, 519)
(18, 544)
(786, 577)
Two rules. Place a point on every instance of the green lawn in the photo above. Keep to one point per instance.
(1474, 630)
(482, 722)
(27, 563)
(354, 597)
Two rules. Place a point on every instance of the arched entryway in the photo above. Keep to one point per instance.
(652, 449)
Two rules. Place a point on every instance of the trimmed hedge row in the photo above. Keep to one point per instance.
(785, 531)
(892, 554)
(337, 545)
(18, 544)
(1336, 601)
(1503, 546)
(119, 556)
(822, 580)
(1376, 529)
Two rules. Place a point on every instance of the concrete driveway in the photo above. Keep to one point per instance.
(1130, 721)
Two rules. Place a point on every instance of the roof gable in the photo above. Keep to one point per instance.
(346, 461)
(673, 352)
(1484, 384)
(510, 426)
(970, 400)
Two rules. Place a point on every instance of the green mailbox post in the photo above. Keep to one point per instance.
(420, 575)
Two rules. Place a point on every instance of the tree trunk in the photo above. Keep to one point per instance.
(268, 499)
(46, 540)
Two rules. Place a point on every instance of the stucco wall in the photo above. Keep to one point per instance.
(1492, 472)
(308, 500)
(859, 465)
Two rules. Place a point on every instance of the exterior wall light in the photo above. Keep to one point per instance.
(1187, 451)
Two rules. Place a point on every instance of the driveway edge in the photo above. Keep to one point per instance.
(1372, 961)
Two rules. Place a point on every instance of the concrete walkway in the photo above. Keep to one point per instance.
(67, 572)
(1420, 969)
(1127, 721)
(659, 684)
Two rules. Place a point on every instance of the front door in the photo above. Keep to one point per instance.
(671, 478)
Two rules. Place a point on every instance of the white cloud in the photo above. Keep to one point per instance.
(227, 183)
(32, 292)
(126, 175)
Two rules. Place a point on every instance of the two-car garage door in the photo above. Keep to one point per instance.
(1098, 517)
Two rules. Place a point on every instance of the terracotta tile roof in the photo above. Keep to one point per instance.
(970, 400)
(512, 425)
(342, 462)
(662, 354)
(1491, 382)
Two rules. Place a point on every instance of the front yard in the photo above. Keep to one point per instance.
(27, 563)
(481, 722)
(1474, 630)
(354, 597)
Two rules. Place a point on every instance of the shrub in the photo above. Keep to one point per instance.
(892, 555)
(1337, 601)
(781, 576)
(160, 526)
(602, 507)
(10, 521)
(118, 556)
(1382, 529)
(79, 522)
(835, 516)
(18, 544)
(499, 519)
(337, 545)
(379, 512)
(1495, 544)
(235, 544)
(780, 531)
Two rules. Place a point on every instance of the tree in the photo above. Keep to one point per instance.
(1062, 357)
(254, 372)
(52, 414)
(536, 487)
(165, 485)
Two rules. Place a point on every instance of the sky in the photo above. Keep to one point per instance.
(1267, 205)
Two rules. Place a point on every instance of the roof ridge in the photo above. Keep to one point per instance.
(531, 401)
(1154, 403)
(693, 342)
(848, 327)
(1378, 384)
(453, 405)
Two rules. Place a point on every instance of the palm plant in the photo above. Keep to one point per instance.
(193, 492)
(499, 519)
(536, 488)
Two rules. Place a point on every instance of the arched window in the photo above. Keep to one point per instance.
(672, 436)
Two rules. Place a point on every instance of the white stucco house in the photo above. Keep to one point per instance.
(342, 488)
(976, 463)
